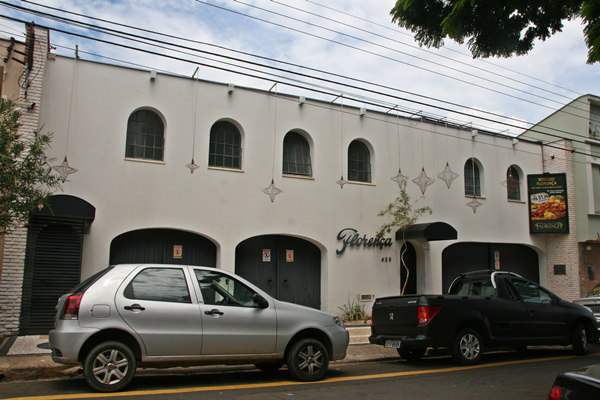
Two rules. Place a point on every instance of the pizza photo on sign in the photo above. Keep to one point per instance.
(554, 207)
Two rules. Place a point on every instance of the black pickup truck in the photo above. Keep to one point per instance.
(483, 309)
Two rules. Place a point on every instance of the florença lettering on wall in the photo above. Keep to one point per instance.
(351, 237)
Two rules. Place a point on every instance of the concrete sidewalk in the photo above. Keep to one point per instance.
(28, 358)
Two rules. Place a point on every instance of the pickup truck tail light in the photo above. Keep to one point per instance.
(555, 393)
(426, 313)
(71, 307)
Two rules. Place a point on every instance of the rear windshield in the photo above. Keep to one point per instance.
(482, 287)
(83, 286)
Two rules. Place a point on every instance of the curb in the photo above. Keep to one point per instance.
(24, 368)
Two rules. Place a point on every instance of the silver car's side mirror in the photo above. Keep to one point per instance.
(260, 301)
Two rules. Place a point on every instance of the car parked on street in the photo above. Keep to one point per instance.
(579, 384)
(172, 315)
(592, 301)
(482, 309)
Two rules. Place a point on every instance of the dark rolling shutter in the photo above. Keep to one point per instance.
(52, 268)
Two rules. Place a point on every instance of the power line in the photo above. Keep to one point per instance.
(103, 29)
(254, 76)
(447, 48)
(383, 56)
(429, 52)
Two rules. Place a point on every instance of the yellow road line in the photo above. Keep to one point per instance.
(287, 383)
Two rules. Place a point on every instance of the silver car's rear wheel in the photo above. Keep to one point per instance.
(109, 367)
(308, 360)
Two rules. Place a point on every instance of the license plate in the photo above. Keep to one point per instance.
(395, 344)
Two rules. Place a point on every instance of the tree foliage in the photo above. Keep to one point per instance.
(26, 179)
(403, 215)
(497, 27)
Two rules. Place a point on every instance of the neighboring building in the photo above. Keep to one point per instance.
(170, 169)
(22, 72)
(571, 138)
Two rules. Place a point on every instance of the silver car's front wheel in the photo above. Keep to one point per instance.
(109, 367)
(308, 360)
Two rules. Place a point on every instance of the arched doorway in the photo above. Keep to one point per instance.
(163, 246)
(464, 257)
(285, 267)
(52, 259)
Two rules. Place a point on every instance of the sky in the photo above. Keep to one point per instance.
(346, 41)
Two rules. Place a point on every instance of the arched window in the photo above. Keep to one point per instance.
(472, 178)
(145, 136)
(359, 162)
(225, 146)
(513, 184)
(296, 155)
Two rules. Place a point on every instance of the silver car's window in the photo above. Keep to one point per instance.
(219, 288)
(159, 284)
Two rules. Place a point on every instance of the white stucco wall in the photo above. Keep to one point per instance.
(229, 206)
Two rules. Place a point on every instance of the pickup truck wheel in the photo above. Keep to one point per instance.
(467, 348)
(109, 367)
(579, 339)
(269, 367)
(412, 354)
(308, 360)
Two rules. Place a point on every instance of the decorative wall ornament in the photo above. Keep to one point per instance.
(272, 191)
(400, 179)
(474, 204)
(423, 181)
(447, 175)
(192, 166)
(342, 182)
(64, 170)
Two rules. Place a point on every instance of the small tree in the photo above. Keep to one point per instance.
(404, 215)
(26, 179)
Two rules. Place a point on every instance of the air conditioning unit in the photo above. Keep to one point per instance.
(366, 297)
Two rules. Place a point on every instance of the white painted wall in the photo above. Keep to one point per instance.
(228, 207)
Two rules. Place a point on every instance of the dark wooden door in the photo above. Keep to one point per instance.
(292, 272)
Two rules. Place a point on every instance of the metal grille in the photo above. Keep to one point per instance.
(296, 155)
(359, 162)
(52, 268)
(225, 146)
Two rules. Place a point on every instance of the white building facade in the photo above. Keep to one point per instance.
(173, 169)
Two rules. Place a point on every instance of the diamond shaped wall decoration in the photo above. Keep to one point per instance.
(447, 175)
(192, 166)
(272, 191)
(64, 170)
(341, 182)
(474, 204)
(400, 179)
(423, 181)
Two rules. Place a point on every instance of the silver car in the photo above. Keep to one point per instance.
(592, 301)
(171, 315)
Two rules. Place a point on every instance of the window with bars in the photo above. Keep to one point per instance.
(513, 184)
(472, 179)
(296, 155)
(145, 136)
(359, 162)
(225, 146)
